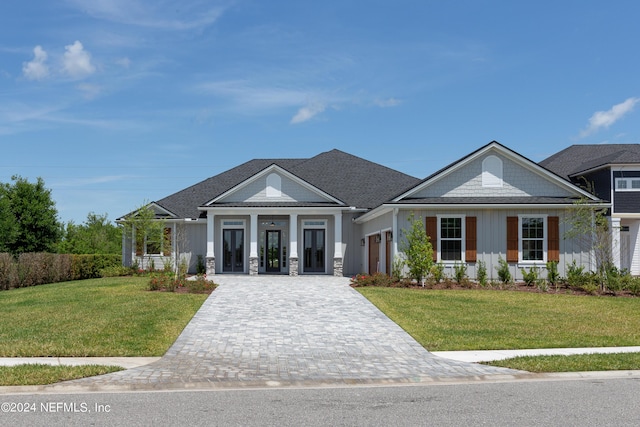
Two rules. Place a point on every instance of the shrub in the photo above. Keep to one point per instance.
(530, 277)
(460, 272)
(482, 274)
(200, 285)
(553, 277)
(376, 279)
(8, 273)
(397, 267)
(437, 272)
(504, 274)
(201, 267)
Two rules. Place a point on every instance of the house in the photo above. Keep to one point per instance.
(612, 173)
(339, 214)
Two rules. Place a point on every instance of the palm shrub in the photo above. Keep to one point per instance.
(553, 277)
(460, 272)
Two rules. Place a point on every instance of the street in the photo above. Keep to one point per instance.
(584, 402)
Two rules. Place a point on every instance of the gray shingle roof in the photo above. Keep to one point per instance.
(351, 179)
(579, 158)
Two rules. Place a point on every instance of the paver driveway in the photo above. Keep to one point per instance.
(275, 330)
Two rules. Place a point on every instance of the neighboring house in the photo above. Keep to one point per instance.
(612, 173)
(339, 214)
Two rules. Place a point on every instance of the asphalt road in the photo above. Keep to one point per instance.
(592, 402)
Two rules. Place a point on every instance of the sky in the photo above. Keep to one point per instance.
(116, 103)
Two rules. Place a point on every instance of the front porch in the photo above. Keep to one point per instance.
(274, 241)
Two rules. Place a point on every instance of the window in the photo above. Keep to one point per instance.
(450, 239)
(628, 184)
(453, 237)
(532, 242)
(155, 244)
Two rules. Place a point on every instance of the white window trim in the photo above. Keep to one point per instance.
(463, 238)
(545, 239)
(629, 183)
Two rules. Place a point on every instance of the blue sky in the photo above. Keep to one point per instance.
(118, 102)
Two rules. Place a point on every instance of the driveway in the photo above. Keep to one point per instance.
(281, 330)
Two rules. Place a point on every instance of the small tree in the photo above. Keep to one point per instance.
(588, 225)
(145, 230)
(417, 249)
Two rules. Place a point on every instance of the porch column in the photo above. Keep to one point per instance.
(615, 242)
(394, 242)
(293, 246)
(253, 247)
(337, 252)
(211, 257)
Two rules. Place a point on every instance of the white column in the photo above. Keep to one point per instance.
(253, 247)
(337, 253)
(293, 235)
(615, 242)
(394, 230)
(210, 235)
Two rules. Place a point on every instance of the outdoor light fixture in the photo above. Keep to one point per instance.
(361, 242)
(378, 238)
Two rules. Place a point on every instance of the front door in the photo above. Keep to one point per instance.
(233, 251)
(273, 251)
(374, 254)
(314, 252)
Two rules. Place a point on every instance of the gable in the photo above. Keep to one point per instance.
(474, 180)
(493, 172)
(274, 185)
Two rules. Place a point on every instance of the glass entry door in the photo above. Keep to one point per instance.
(273, 251)
(233, 251)
(314, 251)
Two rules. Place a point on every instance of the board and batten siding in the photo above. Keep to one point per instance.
(491, 238)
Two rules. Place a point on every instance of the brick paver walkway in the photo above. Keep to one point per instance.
(275, 330)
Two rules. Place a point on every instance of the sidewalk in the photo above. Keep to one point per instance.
(491, 355)
(473, 356)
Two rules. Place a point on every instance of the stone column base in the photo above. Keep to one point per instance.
(211, 266)
(337, 267)
(253, 266)
(293, 266)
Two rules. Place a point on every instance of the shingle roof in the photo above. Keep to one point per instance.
(579, 158)
(351, 179)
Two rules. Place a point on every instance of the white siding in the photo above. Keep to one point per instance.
(517, 182)
(492, 238)
(290, 191)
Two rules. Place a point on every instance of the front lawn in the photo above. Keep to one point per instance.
(486, 320)
(39, 374)
(113, 316)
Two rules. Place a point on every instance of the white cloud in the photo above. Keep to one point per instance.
(307, 112)
(77, 61)
(123, 62)
(157, 14)
(604, 119)
(389, 102)
(36, 69)
(90, 91)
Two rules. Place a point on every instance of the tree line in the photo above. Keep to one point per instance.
(29, 223)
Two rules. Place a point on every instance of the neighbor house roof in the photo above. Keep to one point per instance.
(355, 181)
(581, 158)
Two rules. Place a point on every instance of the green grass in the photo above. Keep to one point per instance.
(574, 363)
(38, 374)
(99, 317)
(486, 320)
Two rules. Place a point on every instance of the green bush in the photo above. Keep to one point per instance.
(482, 274)
(200, 285)
(116, 271)
(460, 273)
(530, 277)
(8, 272)
(504, 274)
(553, 277)
(376, 279)
(437, 272)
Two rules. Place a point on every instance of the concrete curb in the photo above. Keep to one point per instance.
(492, 355)
(124, 362)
